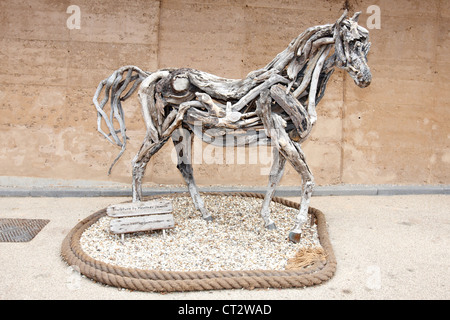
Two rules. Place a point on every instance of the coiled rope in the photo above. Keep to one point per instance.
(171, 281)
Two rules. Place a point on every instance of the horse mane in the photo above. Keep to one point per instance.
(295, 56)
(287, 63)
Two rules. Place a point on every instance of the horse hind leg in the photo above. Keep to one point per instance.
(276, 173)
(182, 139)
(139, 164)
(150, 147)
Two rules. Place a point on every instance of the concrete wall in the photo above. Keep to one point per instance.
(394, 132)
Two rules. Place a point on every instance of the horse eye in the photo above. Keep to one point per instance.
(366, 48)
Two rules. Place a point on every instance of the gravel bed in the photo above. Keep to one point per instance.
(235, 240)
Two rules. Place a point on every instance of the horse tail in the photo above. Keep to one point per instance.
(115, 91)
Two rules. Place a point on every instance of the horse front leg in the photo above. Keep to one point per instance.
(276, 173)
(292, 152)
(307, 190)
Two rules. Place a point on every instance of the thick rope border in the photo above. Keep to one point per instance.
(168, 281)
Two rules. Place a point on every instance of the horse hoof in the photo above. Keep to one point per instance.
(271, 226)
(295, 237)
(208, 219)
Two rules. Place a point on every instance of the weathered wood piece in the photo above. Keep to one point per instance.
(294, 109)
(279, 100)
(314, 81)
(142, 223)
(139, 208)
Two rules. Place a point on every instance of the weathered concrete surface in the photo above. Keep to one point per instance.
(392, 247)
(41, 187)
(393, 132)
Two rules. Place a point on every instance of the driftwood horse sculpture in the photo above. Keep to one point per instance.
(279, 100)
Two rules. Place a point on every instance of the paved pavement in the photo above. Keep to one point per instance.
(387, 247)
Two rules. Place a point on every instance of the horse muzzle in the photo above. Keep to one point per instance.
(363, 78)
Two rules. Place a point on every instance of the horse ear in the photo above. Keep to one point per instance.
(344, 15)
(356, 16)
(341, 59)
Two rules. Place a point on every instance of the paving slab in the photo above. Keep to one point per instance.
(387, 247)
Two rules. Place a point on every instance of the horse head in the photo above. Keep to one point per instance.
(351, 48)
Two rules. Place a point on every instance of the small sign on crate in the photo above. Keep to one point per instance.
(141, 216)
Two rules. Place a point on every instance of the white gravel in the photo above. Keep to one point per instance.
(235, 240)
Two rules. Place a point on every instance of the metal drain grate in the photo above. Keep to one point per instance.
(20, 230)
